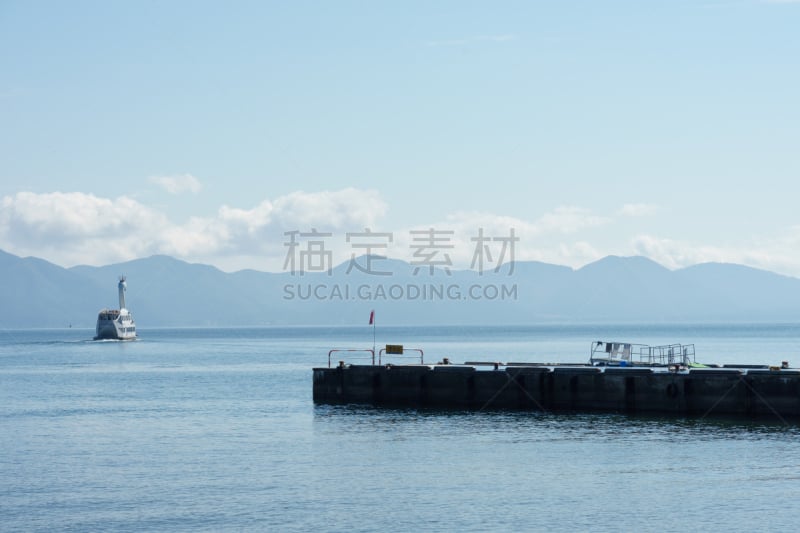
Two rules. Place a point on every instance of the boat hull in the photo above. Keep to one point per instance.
(121, 328)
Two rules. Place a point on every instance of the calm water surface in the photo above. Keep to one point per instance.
(215, 430)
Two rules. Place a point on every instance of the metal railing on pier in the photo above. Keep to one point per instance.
(626, 353)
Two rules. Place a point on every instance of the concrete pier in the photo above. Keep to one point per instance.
(751, 392)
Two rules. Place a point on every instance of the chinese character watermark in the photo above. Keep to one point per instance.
(429, 243)
(314, 258)
(312, 252)
(483, 252)
(368, 241)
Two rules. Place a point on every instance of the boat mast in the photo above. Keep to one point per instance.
(122, 286)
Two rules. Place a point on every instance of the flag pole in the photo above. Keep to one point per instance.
(373, 337)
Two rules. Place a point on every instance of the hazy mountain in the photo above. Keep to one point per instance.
(34, 292)
(163, 291)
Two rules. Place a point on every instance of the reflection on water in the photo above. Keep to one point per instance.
(215, 430)
(536, 425)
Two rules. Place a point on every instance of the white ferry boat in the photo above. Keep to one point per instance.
(116, 323)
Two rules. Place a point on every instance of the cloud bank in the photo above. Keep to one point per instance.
(79, 228)
(71, 228)
(178, 184)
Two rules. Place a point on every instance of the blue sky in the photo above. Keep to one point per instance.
(205, 130)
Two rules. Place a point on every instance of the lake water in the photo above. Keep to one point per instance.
(215, 430)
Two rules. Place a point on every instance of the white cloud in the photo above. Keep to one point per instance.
(637, 210)
(674, 254)
(464, 227)
(333, 209)
(542, 239)
(40, 218)
(775, 255)
(569, 219)
(178, 184)
(72, 228)
(79, 228)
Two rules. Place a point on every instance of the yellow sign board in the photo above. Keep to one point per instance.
(394, 349)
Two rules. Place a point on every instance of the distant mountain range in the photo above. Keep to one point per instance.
(164, 292)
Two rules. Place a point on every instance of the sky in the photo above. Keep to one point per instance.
(222, 132)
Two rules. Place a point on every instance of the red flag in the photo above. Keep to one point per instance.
(372, 317)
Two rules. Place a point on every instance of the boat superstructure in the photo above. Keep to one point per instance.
(116, 324)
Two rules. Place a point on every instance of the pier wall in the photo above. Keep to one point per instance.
(757, 393)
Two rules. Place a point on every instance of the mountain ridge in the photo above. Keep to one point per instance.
(167, 292)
